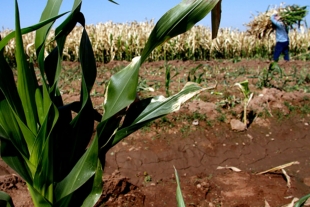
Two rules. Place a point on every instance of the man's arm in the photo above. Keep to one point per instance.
(274, 21)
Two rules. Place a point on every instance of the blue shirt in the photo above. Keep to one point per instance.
(281, 31)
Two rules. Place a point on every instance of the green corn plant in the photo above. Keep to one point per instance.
(54, 152)
(168, 79)
(244, 88)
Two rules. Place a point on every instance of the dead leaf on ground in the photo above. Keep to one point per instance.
(279, 167)
(229, 167)
(291, 204)
(288, 178)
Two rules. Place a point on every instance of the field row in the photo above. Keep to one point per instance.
(113, 41)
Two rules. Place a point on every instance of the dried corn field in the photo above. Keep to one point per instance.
(116, 41)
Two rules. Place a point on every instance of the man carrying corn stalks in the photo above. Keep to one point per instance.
(282, 38)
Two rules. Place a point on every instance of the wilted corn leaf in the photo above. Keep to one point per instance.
(155, 108)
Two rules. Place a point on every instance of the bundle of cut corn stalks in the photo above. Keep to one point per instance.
(261, 25)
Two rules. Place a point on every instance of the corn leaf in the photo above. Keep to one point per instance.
(43, 178)
(83, 124)
(179, 195)
(302, 200)
(96, 191)
(40, 104)
(80, 174)
(75, 16)
(158, 106)
(26, 78)
(37, 198)
(176, 21)
(51, 9)
(121, 89)
(5, 200)
(105, 132)
(11, 127)
(12, 157)
(61, 33)
(26, 30)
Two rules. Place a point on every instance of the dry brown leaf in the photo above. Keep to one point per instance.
(291, 204)
(229, 167)
(279, 167)
(288, 178)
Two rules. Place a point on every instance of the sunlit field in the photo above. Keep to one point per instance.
(113, 41)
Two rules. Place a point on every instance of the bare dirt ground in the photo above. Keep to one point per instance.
(204, 136)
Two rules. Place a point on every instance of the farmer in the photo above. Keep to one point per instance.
(282, 39)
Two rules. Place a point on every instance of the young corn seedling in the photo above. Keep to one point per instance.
(50, 149)
(169, 78)
(192, 76)
(244, 88)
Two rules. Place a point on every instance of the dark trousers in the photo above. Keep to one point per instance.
(281, 47)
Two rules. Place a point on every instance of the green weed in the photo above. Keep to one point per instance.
(221, 117)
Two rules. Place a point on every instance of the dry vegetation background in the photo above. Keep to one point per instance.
(123, 41)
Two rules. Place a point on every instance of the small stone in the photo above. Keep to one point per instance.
(306, 124)
(195, 122)
(250, 136)
(237, 125)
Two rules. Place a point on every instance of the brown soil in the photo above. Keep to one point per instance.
(140, 170)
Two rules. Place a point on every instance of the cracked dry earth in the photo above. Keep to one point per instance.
(197, 155)
(139, 170)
